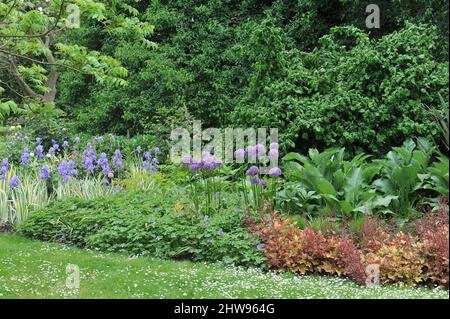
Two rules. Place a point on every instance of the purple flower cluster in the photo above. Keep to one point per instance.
(207, 162)
(117, 159)
(67, 169)
(54, 148)
(13, 182)
(149, 161)
(25, 158)
(103, 164)
(44, 173)
(89, 160)
(4, 170)
(40, 152)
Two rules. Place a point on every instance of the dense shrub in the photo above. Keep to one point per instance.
(352, 91)
(145, 224)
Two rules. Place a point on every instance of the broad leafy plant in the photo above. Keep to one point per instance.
(400, 171)
(343, 186)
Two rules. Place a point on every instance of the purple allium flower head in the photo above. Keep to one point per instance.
(44, 173)
(51, 150)
(239, 154)
(40, 151)
(25, 158)
(263, 183)
(195, 167)
(260, 149)
(147, 156)
(274, 172)
(251, 151)
(253, 170)
(255, 180)
(157, 151)
(273, 154)
(274, 146)
(186, 160)
(56, 147)
(65, 144)
(13, 182)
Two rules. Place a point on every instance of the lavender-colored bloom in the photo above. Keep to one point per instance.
(13, 182)
(40, 151)
(155, 160)
(44, 173)
(117, 160)
(154, 236)
(274, 146)
(88, 160)
(103, 163)
(220, 233)
(56, 147)
(239, 154)
(255, 180)
(4, 169)
(274, 172)
(147, 156)
(186, 160)
(139, 149)
(195, 167)
(253, 170)
(157, 151)
(51, 150)
(260, 246)
(67, 169)
(263, 183)
(209, 241)
(25, 158)
(38, 140)
(251, 151)
(65, 144)
(260, 150)
(273, 154)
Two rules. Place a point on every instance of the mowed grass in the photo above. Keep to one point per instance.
(31, 269)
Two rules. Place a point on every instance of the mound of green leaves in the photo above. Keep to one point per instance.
(145, 224)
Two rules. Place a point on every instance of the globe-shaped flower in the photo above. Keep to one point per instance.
(275, 172)
(239, 154)
(253, 170)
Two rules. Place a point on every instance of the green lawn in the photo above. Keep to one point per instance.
(30, 269)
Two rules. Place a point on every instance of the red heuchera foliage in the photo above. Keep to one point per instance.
(433, 231)
(402, 258)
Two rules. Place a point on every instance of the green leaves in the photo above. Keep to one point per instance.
(349, 186)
